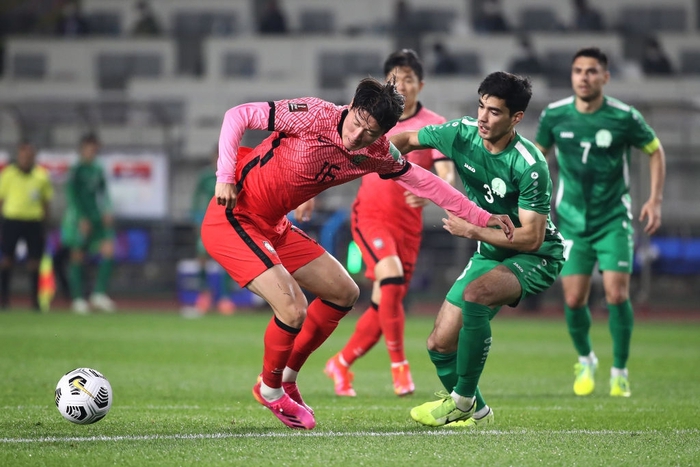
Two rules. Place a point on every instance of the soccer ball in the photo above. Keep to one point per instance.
(83, 396)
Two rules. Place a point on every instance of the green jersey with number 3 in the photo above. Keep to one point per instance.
(593, 154)
(516, 178)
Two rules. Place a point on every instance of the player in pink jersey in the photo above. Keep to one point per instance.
(314, 145)
(389, 235)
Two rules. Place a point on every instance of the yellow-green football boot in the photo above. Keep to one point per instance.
(440, 412)
(474, 423)
(584, 384)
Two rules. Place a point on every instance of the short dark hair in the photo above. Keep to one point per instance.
(592, 52)
(516, 90)
(404, 58)
(90, 138)
(381, 100)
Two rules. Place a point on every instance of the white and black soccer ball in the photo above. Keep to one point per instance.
(83, 396)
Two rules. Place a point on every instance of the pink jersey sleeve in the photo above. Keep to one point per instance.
(253, 116)
(425, 184)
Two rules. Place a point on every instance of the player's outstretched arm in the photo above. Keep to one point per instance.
(528, 237)
(428, 185)
(406, 141)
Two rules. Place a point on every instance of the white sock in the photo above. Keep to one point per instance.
(589, 359)
(481, 413)
(289, 375)
(270, 394)
(463, 403)
(614, 372)
(398, 364)
(342, 361)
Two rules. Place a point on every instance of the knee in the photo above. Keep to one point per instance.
(435, 344)
(575, 300)
(350, 294)
(617, 296)
(480, 295)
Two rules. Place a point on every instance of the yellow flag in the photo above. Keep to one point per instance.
(47, 283)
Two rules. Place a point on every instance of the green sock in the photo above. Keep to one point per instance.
(202, 276)
(621, 322)
(474, 345)
(75, 279)
(104, 272)
(446, 366)
(579, 323)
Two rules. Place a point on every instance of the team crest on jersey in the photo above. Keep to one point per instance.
(498, 186)
(378, 243)
(298, 107)
(269, 248)
(603, 138)
(359, 159)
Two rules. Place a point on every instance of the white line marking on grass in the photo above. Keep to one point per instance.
(333, 434)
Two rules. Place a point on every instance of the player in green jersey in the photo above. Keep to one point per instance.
(87, 227)
(593, 134)
(203, 193)
(502, 172)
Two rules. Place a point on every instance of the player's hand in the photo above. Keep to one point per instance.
(304, 211)
(226, 194)
(458, 226)
(415, 201)
(504, 223)
(651, 212)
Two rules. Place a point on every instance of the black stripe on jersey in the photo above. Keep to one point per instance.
(271, 118)
(403, 170)
(248, 167)
(275, 144)
(365, 242)
(295, 229)
(246, 238)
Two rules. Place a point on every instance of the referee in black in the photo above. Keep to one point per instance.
(25, 194)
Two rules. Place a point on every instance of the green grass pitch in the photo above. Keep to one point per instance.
(182, 397)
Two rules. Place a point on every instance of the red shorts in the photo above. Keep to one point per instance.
(246, 246)
(377, 239)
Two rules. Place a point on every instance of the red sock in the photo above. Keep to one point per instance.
(392, 318)
(322, 318)
(367, 333)
(279, 342)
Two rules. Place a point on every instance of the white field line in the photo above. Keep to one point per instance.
(332, 434)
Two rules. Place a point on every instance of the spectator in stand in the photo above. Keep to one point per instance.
(272, 20)
(146, 24)
(71, 22)
(491, 19)
(655, 62)
(445, 64)
(587, 18)
(526, 62)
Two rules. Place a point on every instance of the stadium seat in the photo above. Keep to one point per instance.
(690, 61)
(316, 21)
(468, 63)
(539, 18)
(104, 23)
(29, 66)
(239, 64)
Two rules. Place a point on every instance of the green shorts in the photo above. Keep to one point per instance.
(612, 247)
(535, 274)
(74, 239)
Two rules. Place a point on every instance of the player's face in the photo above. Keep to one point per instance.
(25, 156)
(360, 130)
(494, 118)
(88, 151)
(407, 84)
(588, 78)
